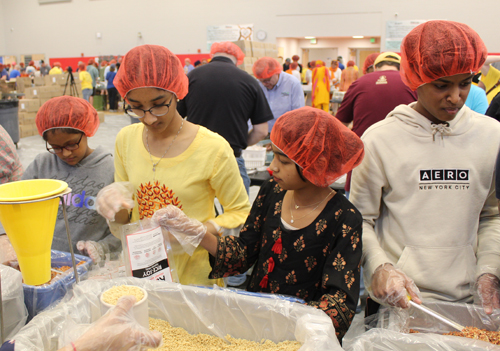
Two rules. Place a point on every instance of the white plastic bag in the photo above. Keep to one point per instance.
(13, 308)
(198, 310)
(389, 329)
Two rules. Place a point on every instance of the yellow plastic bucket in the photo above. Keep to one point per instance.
(30, 226)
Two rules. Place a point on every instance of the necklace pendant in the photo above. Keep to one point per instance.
(297, 207)
(291, 221)
(154, 169)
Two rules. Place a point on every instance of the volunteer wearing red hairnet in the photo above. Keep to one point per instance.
(425, 188)
(349, 75)
(56, 69)
(303, 237)
(66, 123)
(283, 91)
(368, 65)
(168, 160)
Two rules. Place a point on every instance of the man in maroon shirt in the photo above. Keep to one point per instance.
(371, 97)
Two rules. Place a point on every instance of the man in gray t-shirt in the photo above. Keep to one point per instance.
(94, 73)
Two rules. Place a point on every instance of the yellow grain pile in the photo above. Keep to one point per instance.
(178, 339)
(112, 295)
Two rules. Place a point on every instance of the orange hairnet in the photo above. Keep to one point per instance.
(81, 66)
(350, 63)
(67, 112)
(151, 66)
(370, 59)
(228, 48)
(438, 49)
(57, 64)
(295, 58)
(266, 67)
(313, 64)
(319, 143)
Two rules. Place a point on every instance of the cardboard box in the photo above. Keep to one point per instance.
(43, 101)
(39, 81)
(26, 130)
(245, 46)
(247, 62)
(27, 118)
(29, 105)
(22, 83)
(32, 93)
(101, 116)
(55, 79)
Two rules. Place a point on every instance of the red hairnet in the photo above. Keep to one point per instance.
(104, 63)
(21, 64)
(228, 48)
(112, 61)
(67, 112)
(350, 63)
(313, 64)
(295, 58)
(151, 66)
(266, 67)
(81, 66)
(370, 59)
(319, 143)
(438, 49)
(294, 65)
(91, 62)
(57, 64)
(32, 63)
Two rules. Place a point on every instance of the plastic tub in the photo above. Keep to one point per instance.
(38, 298)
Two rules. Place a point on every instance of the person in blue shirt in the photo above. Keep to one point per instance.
(112, 92)
(4, 73)
(282, 90)
(14, 73)
(477, 100)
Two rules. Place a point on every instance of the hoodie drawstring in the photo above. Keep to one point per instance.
(441, 129)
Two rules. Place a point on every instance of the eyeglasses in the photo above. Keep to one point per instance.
(58, 150)
(157, 111)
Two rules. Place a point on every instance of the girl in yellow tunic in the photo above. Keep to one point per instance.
(167, 160)
(321, 87)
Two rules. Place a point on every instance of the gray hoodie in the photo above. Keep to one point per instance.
(85, 180)
(427, 196)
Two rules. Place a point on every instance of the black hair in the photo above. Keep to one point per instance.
(299, 171)
(197, 63)
(63, 130)
(388, 63)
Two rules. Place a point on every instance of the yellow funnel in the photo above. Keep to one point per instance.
(30, 226)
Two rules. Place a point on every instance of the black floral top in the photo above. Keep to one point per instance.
(319, 263)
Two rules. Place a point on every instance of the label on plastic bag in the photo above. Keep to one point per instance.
(148, 256)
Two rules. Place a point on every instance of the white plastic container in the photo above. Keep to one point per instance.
(140, 309)
(254, 156)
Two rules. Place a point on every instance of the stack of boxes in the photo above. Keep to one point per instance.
(253, 51)
(37, 91)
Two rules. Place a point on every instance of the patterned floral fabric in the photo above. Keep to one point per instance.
(10, 165)
(319, 263)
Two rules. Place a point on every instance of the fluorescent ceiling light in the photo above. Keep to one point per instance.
(358, 37)
(309, 37)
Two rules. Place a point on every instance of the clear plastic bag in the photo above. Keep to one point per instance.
(389, 329)
(198, 310)
(147, 251)
(13, 308)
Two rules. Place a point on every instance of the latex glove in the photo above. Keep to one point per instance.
(113, 198)
(118, 330)
(187, 231)
(92, 249)
(488, 290)
(390, 286)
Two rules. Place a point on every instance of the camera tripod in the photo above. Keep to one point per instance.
(73, 91)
